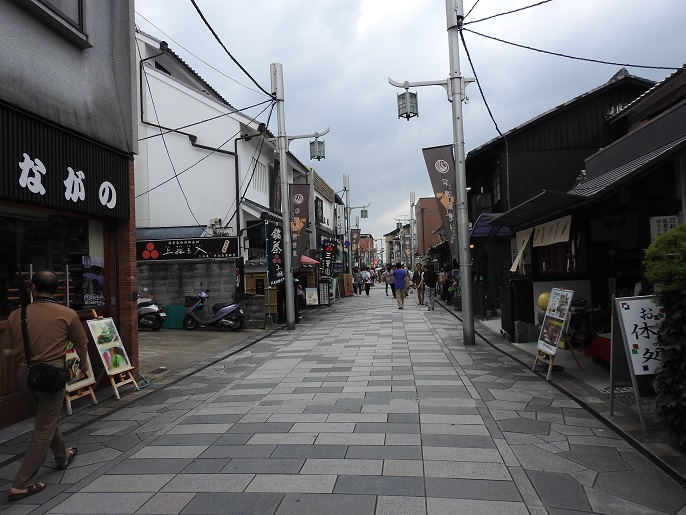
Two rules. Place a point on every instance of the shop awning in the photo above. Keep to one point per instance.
(306, 260)
(618, 177)
(169, 233)
(546, 204)
(484, 230)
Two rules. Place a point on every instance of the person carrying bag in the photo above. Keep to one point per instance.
(36, 337)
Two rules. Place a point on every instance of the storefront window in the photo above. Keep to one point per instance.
(71, 247)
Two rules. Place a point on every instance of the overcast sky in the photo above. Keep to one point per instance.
(337, 56)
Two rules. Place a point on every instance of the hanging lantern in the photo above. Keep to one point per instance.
(407, 105)
(317, 150)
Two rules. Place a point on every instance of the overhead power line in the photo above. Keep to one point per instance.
(227, 50)
(502, 14)
(198, 58)
(566, 56)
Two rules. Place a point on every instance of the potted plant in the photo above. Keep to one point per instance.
(665, 267)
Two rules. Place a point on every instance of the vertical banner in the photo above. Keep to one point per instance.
(240, 276)
(275, 187)
(441, 166)
(275, 269)
(300, 216)
(407, 249)
(328, 258)
(354, 243)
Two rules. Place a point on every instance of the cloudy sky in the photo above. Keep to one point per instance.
(337, 56)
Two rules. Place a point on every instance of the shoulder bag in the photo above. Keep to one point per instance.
(43, 377)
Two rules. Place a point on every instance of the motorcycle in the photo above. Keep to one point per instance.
(150, 315)
(226, 314)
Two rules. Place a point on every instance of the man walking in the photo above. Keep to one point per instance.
(50, 328)
(400, 280)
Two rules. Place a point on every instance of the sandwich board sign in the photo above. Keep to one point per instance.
(637, 323)
(554, 327)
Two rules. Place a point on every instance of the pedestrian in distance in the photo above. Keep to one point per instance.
(388, 278)
(50, 327)
(358, 281)
(400, 279)
(367, 281)
(428, 282)
(417, 281)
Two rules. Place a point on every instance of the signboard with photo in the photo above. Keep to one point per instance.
(555, 321)
(77, 379)
(110, 347)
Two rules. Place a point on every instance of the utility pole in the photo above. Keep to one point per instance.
(455, 87)
(282, 142)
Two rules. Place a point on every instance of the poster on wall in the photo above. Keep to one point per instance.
(110, 347)
(93, 281)
(555, 320)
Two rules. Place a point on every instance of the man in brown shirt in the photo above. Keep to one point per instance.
(51, 327)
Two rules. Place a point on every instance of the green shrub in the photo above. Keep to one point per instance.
(665, 267)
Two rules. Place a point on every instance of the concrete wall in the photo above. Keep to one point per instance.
(89, 90)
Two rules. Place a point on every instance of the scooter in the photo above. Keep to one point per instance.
(150, 315)
(225, 314)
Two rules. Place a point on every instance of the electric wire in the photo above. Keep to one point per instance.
(198, 58)
(503, 14)
(166, 148)
(207, 24)
(470, 11)
(255, 157)
(586, 59)
(201, 159)
(490, 113)
(207, 120)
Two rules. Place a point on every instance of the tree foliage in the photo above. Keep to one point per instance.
(665, 266)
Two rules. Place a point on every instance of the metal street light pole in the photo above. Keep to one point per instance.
(455, 86)
(282, 142)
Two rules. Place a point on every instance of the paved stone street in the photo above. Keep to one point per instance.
(362, 409)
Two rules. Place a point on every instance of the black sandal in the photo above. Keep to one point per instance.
(33, 489)
(71, 454)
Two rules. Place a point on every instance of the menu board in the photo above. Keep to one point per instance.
(555, 321)
(110, 347)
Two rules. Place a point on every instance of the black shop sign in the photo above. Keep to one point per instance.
(188, 248)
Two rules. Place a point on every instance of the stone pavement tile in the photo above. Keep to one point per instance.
(329, 504)
(197, 439)
(233, 439)
(323, 427)
(309, 451)
(450, 429)
(466, 470)
(128, 483)
(283, 438)
(264, 466)
(211, 419)
(596, 462)
(435, 418)
(403, 468)
(151, 466)
(87, 503)
(380, 485)
(357, 417)
(652, 489)
(299, 417)
(472, 489)
(403, 439)
(458, 506)
(383, 452)
(376, 407)
(349, 467)
(448, 410)
(462, 454)
(194, 429)
(532, 457)
(216, 503)
(266, 427)
(205, 466)
(238, 451)
(524, 425)
(168, 451)
(605, 503)
(396, 505)
(353, 407)
(300, 483)
(399, 418)
(525, 487)
(597, 441)
(208, 483)
(278, 408)
(559, 490)
(480, 442)
(165, 504)
(348, 439)
(389, 428)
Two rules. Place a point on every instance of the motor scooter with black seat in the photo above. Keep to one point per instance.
(150, 314)
(224, 314)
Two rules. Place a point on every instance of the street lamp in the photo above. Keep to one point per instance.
(455, 87)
